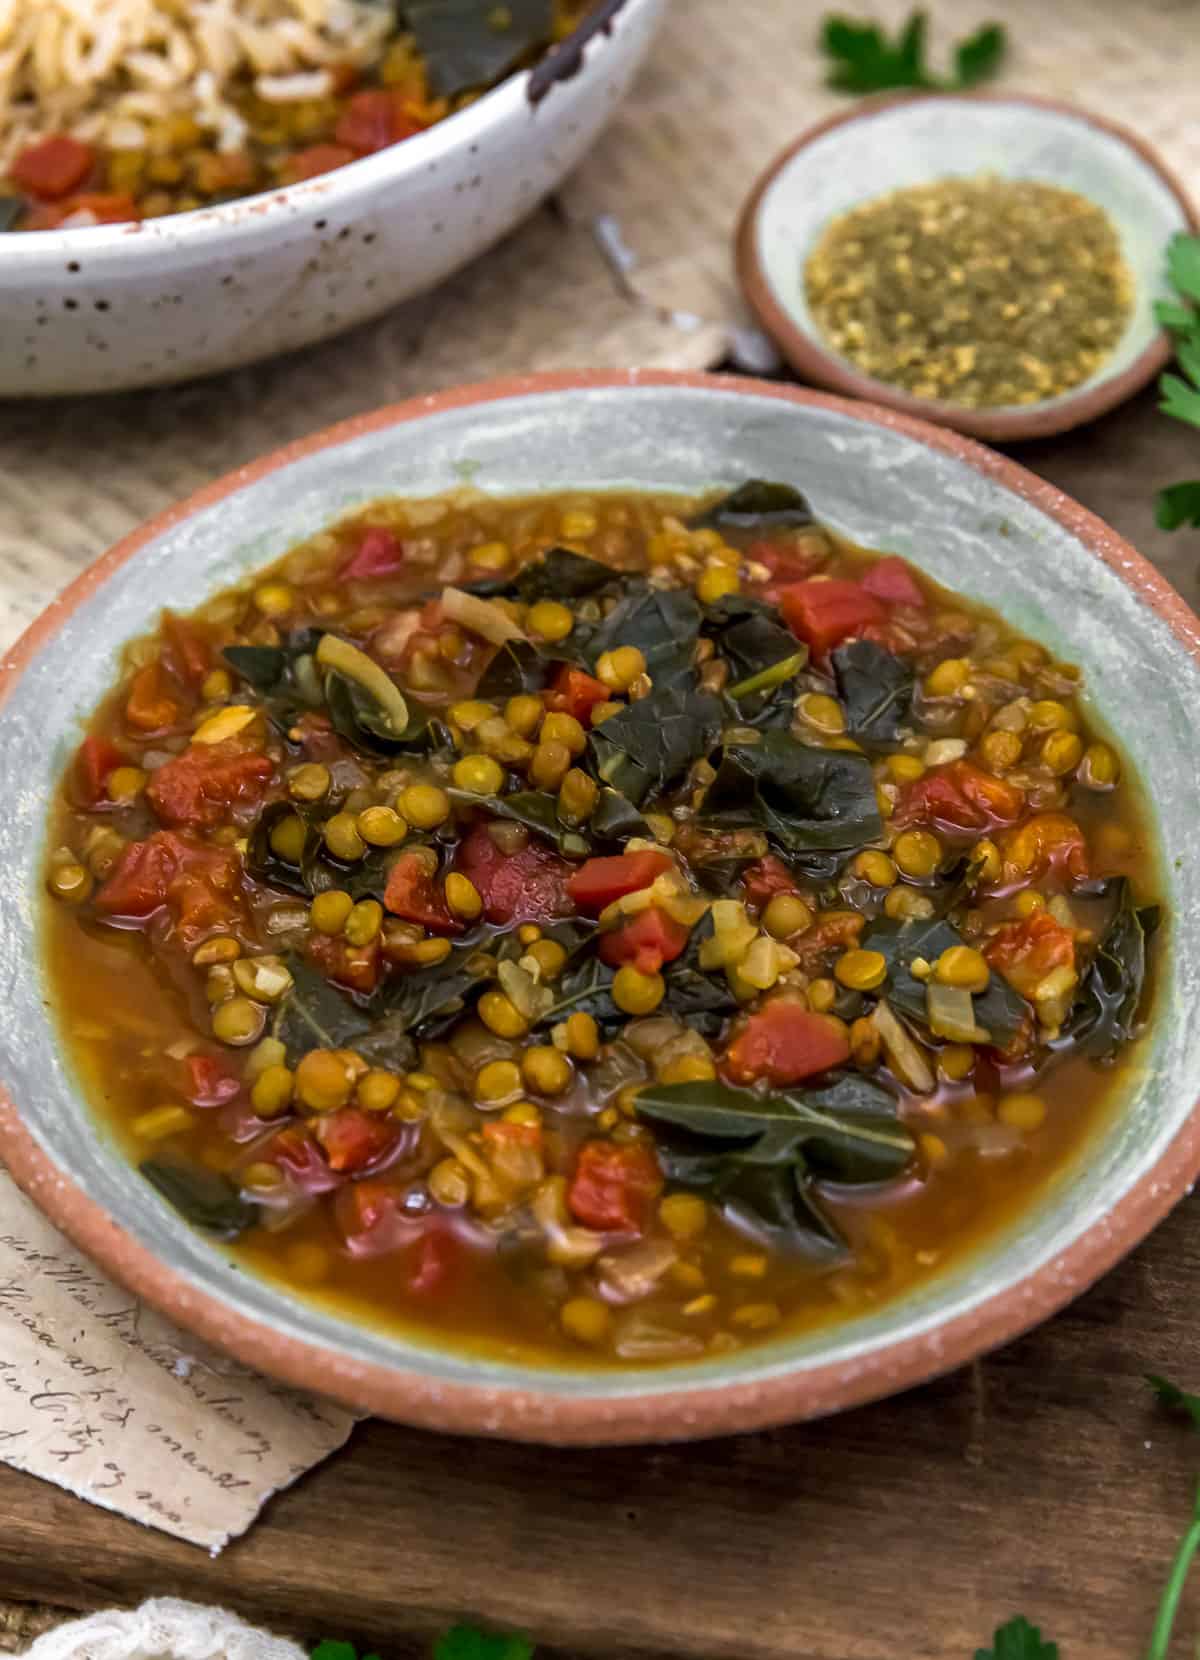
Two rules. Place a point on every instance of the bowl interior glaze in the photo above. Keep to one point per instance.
(962, 515)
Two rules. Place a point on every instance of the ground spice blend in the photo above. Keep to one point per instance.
(977, 292)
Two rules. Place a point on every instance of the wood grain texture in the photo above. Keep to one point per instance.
(1040, 1480)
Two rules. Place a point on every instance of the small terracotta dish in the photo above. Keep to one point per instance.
(969, 518)
(892, 143)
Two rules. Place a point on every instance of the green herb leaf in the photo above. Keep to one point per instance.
(317, 872)
(1179, 400)
(701, 1000)
(651, 744)
(1175, 1399)
(876, 688)
(808, 800)
(536, 811)
(362, 721)
(762, 655)
(663, 623)
(284, 676)
(1018, 1640)
(614, 819)
(331, 1650)
(863, 59)
(468, 44)
(422, 1003)
(314, 1014)
(1183, 267)
(1105, 1013)
(1178, 504)
(757, 505)
(519, 666)
(1160, 1640)
(999, 1010)
(466, 1642)
(561, 574)
(205, 1198)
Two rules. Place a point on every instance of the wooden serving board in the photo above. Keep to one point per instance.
(1042, 1480)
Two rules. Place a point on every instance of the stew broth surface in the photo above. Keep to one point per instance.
(487, 1176)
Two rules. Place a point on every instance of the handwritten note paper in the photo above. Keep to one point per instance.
(103, 1396)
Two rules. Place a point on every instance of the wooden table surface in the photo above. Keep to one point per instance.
(1041, 1480)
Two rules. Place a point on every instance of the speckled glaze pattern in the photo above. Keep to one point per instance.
(121, 306)
(892, 143)
(971, 519)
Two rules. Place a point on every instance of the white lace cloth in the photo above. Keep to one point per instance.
(162, 1629)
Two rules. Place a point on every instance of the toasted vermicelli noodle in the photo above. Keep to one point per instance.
(107, 70)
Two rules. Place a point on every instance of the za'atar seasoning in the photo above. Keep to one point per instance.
(973, 291)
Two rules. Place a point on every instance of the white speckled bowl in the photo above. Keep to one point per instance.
(968, 517)
(120, 306)
(888, 144)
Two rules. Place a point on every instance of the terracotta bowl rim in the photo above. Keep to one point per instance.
(815, 363)
(535, 1412)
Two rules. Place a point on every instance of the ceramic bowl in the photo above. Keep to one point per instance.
(119, 306)
(969, 518)
(891, 143)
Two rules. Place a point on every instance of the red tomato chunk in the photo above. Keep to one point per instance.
(199, 787)
(959, 796)
(765, 878)
(647, 941)
(1025, 952)
(1044, 843)
(527, 886)
(576, 693)
(373, 120)
(96, 759)
(351, 1139)
(614, 1187)
(210, 1082)
(317, 159)
(379, 554)
(200, 884)
(357, 967)
(784, 1044)
(892, 581)
(824, 613)
(54, 167)
(601, 881)
(414, 894)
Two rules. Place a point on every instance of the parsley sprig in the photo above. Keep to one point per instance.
(1179, 504)
(1018, 1640)
(863, 59)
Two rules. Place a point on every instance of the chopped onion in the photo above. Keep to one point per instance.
(639, 1337)
(905, 1057)
(633, 1274)
(523, 991)
(952, 1014)
(288, 89)
(335, 653)
(482, 616)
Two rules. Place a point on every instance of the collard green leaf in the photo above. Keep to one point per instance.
(584, 987)
(758, 505)
(876, 690)
(563, 575)
(534, 809)
(317, 871)
(614, 819)
(519, 666)
(999, 1010)
(206, 1198)
(423, 1003)
(663, 623)
(701, 999)
(284, 676)
(806, 799)
(360, 719)
(1105, 1013)
(469, 44)
(314, 1014)
(651, 744)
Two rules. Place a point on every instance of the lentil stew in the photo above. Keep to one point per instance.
(608, 928)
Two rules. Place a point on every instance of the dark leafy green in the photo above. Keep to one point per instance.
(536, 811)
(651, 744)
(468, 44)
(999, 1010)
(519, 666)
(703, 1000)
(206, 1198)
(1105, 1013)
(758, 505)
(614, 819)
(561, 574)
(876, 689)
(284, 677)
(424, 1003)
(361, 720)
(316, 1015)
(584, 987)
(1018, 1640)
(663, 623)
(758, 1154)
(763, 658)
(317, 871)
(808, 800)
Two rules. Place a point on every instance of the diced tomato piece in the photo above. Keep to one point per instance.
(317, 159)
(53, 167)
(784, 1044)
(297, 1154)
(601, 881)
(892, 581)
(433, 1262)
(372, 120)
(218, 171)
(786, 561)
(766, 877)
(1045, 842)
(210, 1082)
(189, 652)
(1025, 952)
(614, 1186)
(150, 706)
(96, 758)
(824, 613)
(108, 207)
(416, 895)
(575, 693)
(957, 797)
(832, 931)
(351, 1139)
(198, 788)
(647, 940)
(358, 967)
(528, 886)
(380, 553)
(368, 1217)
(198, 883)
